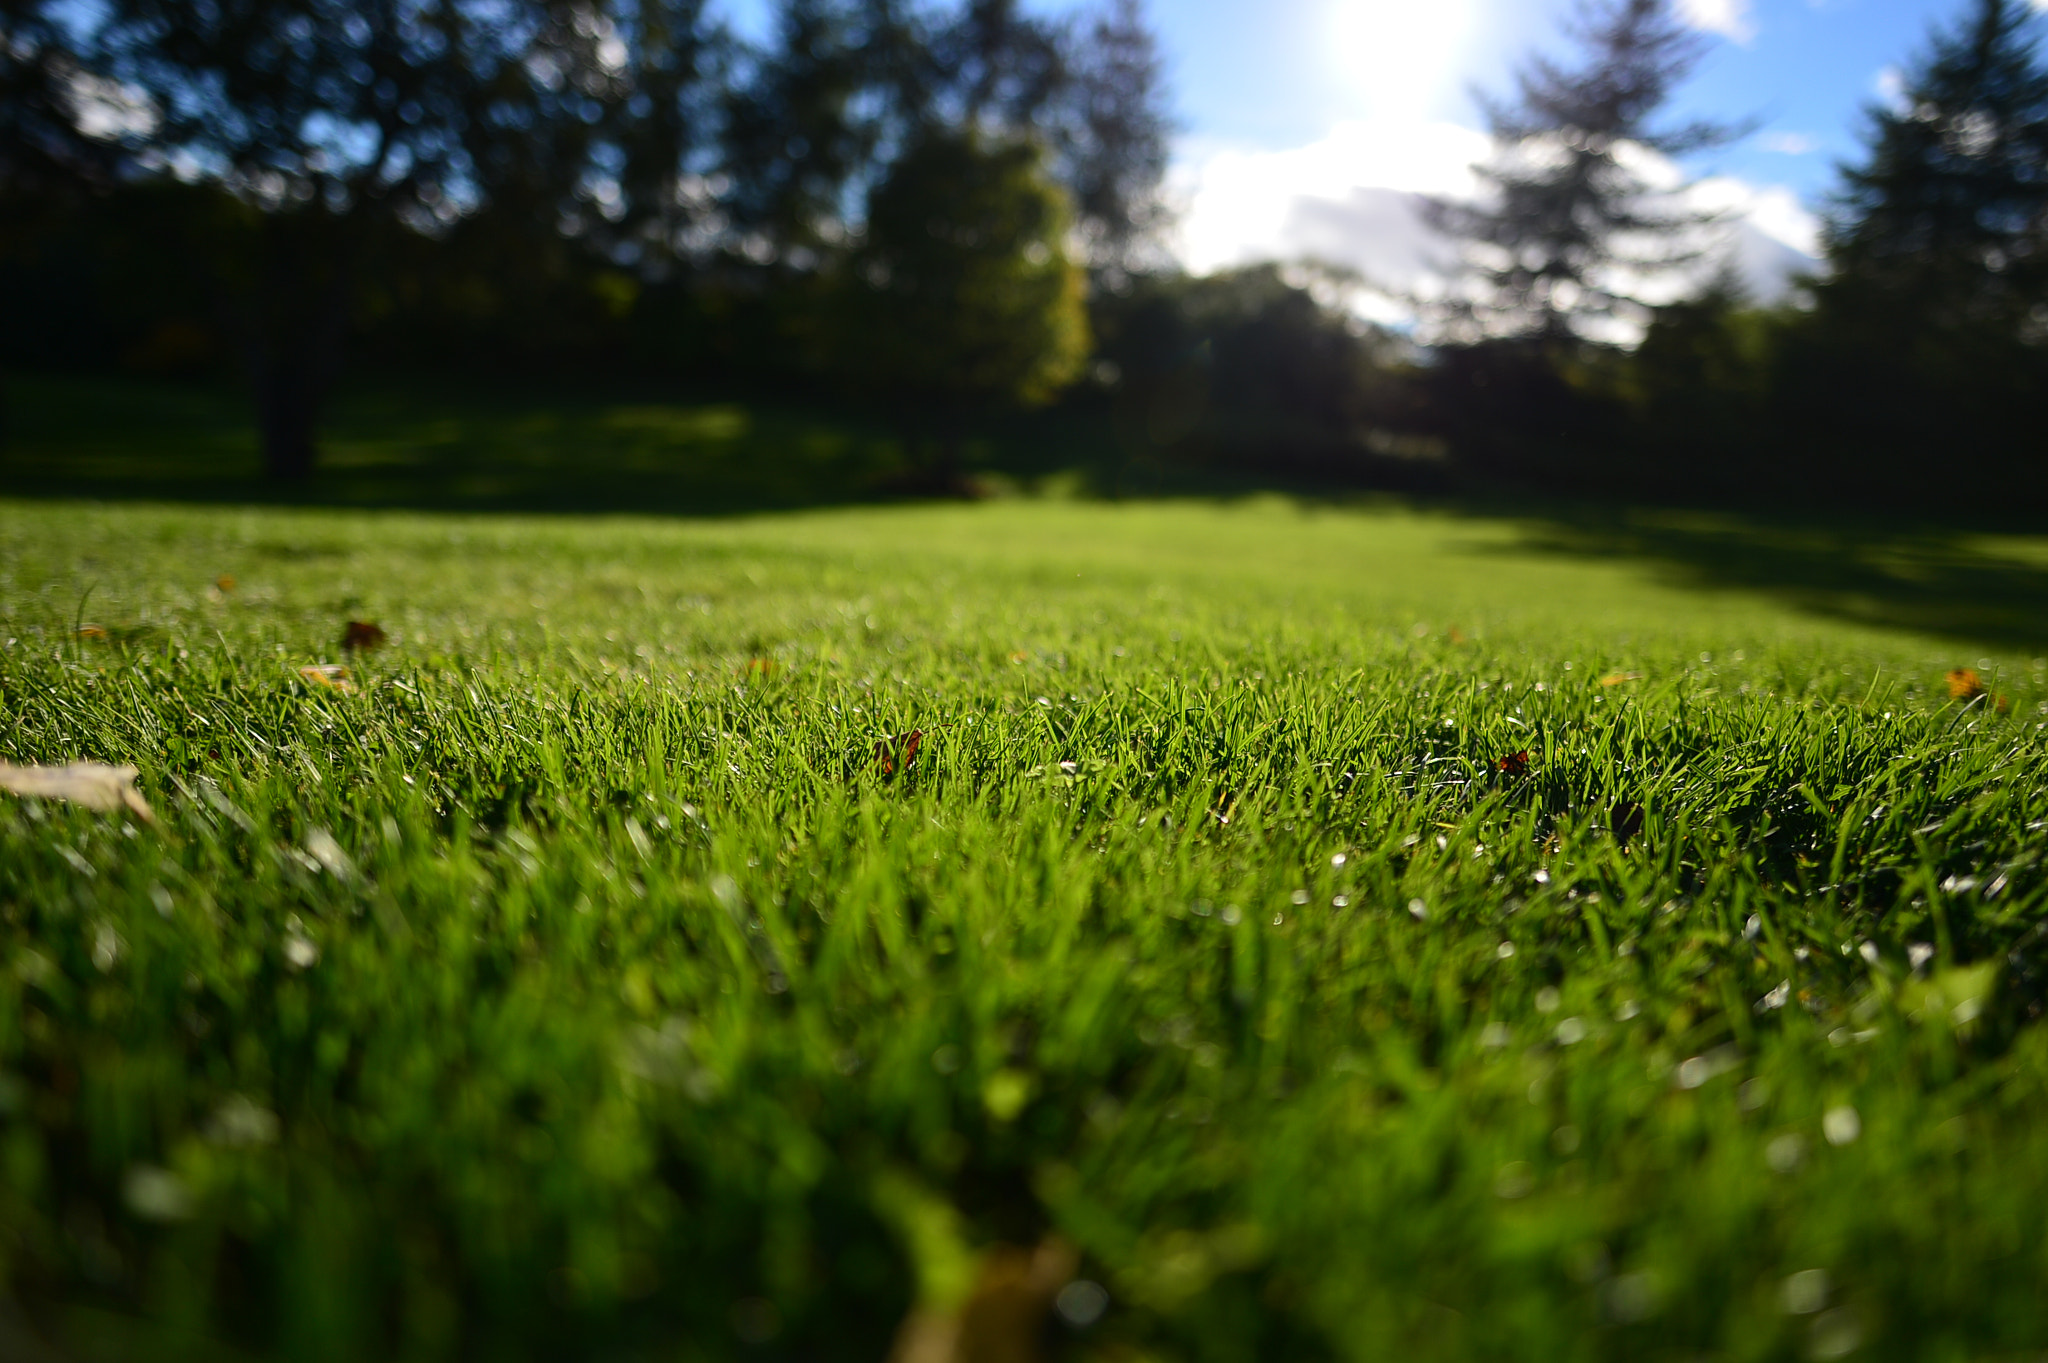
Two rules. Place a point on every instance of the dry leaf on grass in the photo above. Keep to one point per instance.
(225, 582)
(1617, 678)
(896, 754)
(363, 635)
(1003, 1319)
(333, 676)
(1965, 683)
(1514, 764)
(92, 784)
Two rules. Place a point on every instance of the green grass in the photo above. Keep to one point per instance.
(581, 987)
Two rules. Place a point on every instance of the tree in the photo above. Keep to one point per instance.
(338, 122)
(1116, 148)
(1570, 217)
(961, 294)
(1942, 225)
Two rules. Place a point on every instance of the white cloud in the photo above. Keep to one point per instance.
(1795, 144)
(1729, 18)
(1398, 56)
(1353, 197)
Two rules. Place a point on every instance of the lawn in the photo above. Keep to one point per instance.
(1141, 933)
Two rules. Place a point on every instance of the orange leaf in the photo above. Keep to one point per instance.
(92, 632)
(225, 582)
(1514, 764)
(2004, 704)
(363, 635)
(333, 676)
(1617, 678)
(1965, 683)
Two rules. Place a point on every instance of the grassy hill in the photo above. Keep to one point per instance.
(1164, 932)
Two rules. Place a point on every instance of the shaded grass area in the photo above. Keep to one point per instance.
(516, 450)
(581, 985)
(470, 449)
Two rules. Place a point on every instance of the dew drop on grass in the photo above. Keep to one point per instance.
(1494, 1035)
(1548, 999)
(1340, 902)
(1805, 1292)
(1571, 1031)
(1418, 910)
(1505, 951)
(1299, 897)
(1231, 915)
(1337, 859)
(946, 1059)
(1842, 1125)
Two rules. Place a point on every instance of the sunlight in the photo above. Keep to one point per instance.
(1401, 56)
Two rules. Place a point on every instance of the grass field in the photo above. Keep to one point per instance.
(1301, 934)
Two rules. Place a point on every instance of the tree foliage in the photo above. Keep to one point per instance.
(961, 291)
(1571, 216)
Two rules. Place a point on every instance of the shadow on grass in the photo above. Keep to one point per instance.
(121, 440)
(469, 450)
(1939, 580)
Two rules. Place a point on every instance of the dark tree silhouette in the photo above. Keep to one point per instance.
(1116, 149)
(339, 121)
(1567, 214)
(1942, 224)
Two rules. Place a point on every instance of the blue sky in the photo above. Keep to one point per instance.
(1280, 73)
(1307, 126)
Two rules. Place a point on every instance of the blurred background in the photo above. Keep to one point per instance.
(697, 256)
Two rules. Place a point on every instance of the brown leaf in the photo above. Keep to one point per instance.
(363, 635)
(896, 754)
(92, 784)
(1514, 764)
(225, 582)
(1617, 678)
(94, 632)
(1965, 683)
(2003, 704)
(1003, 1319)
(333, 676)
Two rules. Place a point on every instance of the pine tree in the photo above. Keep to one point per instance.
(1569, 220)
(1940, 229)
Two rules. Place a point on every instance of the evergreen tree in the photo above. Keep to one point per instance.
(1941, 227)
(1569, 220)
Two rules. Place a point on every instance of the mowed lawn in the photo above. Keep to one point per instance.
(1121, 933)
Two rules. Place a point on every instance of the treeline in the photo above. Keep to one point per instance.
(947, 213)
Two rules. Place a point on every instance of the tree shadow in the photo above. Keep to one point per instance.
(477, 450)
(1951, 582)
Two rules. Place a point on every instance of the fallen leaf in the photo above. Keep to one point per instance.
(1965, 683)
(1626, 819)
(1457, 635)
(92, 784)
(1514, 764)
(896, 754)
(1617, 678)
(2003, 704)
(333, 676)
(92, 632)
(225, 582)
(363, 635)
(1004, 1317)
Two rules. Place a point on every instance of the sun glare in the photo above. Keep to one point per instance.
(1399, 56)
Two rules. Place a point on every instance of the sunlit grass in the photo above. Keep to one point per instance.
(580, 986)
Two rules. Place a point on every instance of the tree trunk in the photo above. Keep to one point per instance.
(297, 329)
(286, 405)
